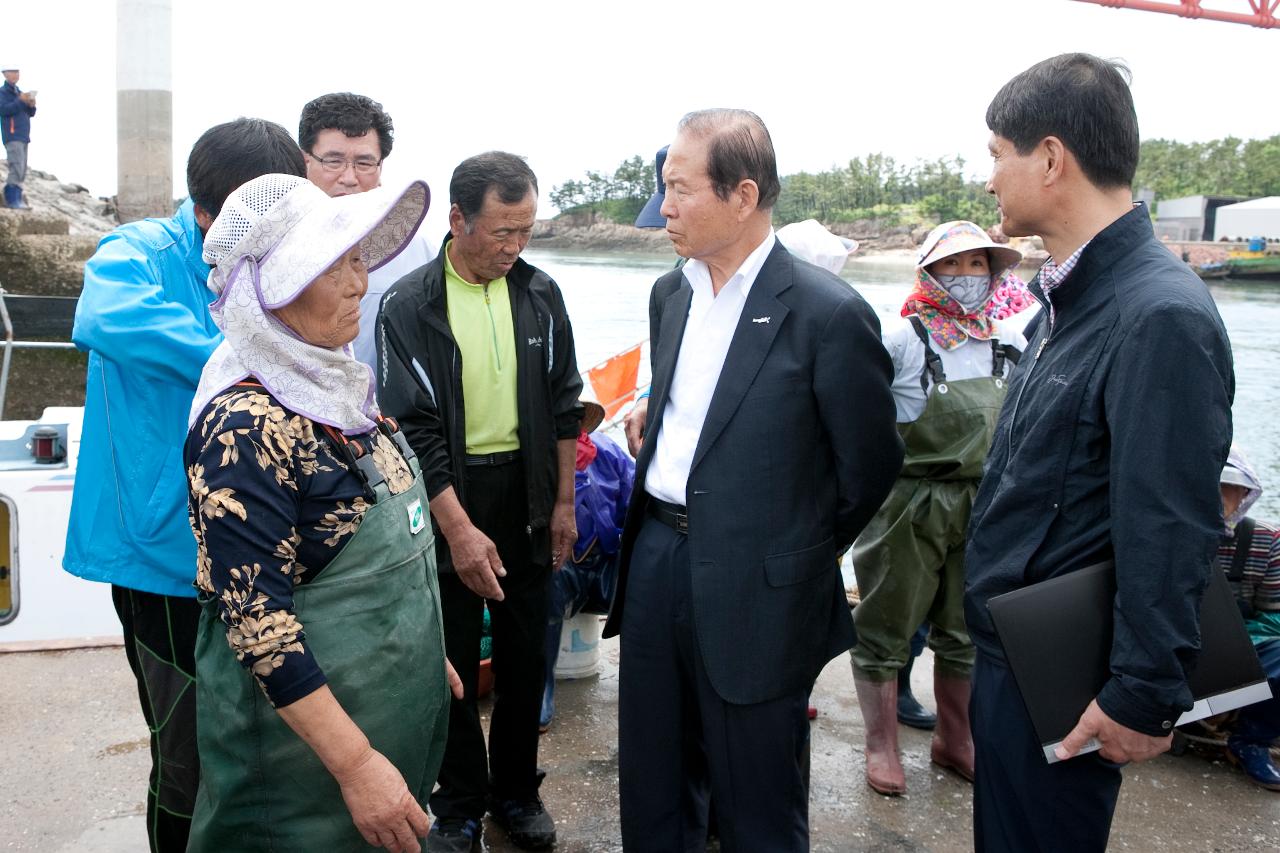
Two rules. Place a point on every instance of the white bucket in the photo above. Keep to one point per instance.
(579, 647)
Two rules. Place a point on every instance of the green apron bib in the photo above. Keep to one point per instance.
(909, 560)
(372, 621)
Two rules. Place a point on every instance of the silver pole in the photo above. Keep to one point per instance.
(8, 350)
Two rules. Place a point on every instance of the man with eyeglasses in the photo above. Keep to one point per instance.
(344, 140)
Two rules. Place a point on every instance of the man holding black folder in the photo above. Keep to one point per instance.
(1109, 446)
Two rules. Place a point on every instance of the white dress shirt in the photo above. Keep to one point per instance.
(418, 252)
(713, 318)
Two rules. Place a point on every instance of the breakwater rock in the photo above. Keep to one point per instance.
(599, 235)
(42, 255)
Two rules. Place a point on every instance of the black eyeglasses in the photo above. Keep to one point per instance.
(361, 165)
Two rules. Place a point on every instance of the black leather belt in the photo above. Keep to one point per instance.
(504, 457)
(672, 515)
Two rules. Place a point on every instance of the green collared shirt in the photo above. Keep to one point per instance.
(480, 318)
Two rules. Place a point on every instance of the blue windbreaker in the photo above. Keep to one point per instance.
(601, 494)
(144, 318)
(15, 116)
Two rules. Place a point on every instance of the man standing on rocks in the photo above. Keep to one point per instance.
(345, 139)
(144, 318)
(476, 361)
(16, 109)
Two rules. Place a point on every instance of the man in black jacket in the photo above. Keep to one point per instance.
(476, 361)
(769, 442)
(1109, 446)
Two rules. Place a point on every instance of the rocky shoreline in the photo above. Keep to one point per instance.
(876, 239)
(589, 232)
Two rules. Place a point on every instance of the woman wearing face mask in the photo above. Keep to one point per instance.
(951, 353)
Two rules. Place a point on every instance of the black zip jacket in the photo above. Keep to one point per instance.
(420, 385)
(1109, 445)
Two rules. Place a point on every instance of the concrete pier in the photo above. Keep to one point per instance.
(76, 761)
(144, 108)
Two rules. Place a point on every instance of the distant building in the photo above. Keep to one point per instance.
(1190, 218)
(1257, 218)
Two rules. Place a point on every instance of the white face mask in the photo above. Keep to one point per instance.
(971, 291)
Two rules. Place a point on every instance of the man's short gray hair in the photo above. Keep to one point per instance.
(741, 149)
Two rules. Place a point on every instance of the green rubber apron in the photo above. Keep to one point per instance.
(909, 559)
(372, 621)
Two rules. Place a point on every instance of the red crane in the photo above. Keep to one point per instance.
(1262, 14)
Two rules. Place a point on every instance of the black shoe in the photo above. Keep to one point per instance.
(454, 836)
(526, 823)
(910, 712)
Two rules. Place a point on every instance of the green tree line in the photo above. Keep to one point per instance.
(1227, 166)
(878, 187)
(874, 187)
(619, 196)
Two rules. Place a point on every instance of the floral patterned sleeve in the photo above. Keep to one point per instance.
(243, 476)
(271, 504)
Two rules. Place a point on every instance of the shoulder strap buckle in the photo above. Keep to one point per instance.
(932, 361)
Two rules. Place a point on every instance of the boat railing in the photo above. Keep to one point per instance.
(9, 345)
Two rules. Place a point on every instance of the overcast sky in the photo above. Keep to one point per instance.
(583, 85)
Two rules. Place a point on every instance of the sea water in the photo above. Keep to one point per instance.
(607, 294)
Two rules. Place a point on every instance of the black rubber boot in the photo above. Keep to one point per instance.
(910, 712)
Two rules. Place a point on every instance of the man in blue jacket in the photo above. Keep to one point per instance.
(1109, 447)
(16, 109)
(143, 316)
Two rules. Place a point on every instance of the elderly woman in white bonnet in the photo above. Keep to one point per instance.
(321, 681)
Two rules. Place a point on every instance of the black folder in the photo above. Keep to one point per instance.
(1057, 639)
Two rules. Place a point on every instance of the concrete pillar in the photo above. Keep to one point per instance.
(144, 108)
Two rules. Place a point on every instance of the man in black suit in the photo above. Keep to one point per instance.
(769, 441)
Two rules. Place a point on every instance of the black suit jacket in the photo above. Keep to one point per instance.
(798, 451)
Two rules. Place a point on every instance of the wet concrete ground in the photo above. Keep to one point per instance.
(74, 764)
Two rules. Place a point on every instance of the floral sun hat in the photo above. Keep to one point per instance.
(274, 236)
(952, 238)
(948, 322)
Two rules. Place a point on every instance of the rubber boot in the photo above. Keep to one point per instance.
(879, 702)
(1255, 760)
(952, 739)
(910, 711)
(12, 196)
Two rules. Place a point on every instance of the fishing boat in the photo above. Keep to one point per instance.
(1259, 264)
(1213, 269)
(41, 606)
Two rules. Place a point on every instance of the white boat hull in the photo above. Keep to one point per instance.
(41, 605)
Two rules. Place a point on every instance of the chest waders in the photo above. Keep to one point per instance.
(909, 559)
(372, 621)
(909, 562)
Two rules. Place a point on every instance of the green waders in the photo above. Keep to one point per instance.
(372, 620)
(909, 561)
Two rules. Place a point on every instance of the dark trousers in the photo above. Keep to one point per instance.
(679, 742)
(1021, 803)
(160, 643)
(1259, 724)
(496, 504)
